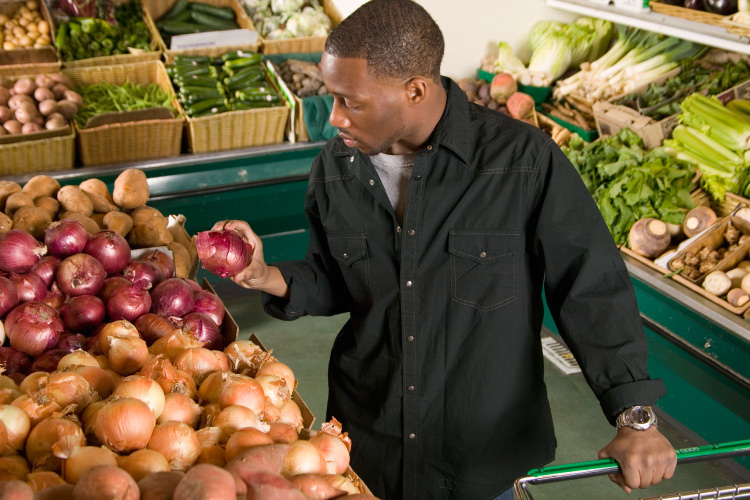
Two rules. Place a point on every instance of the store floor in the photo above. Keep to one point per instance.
(581, 429)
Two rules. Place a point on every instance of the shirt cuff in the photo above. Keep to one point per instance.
(281, 308)
(642, 392)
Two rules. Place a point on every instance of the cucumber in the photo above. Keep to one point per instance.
(212, 111)
(250, 96)
(212, 22)
(179, 7)
(212, 10)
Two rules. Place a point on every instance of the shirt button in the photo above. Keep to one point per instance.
(398, 229)
(482, 255)
(351, 159)
(410, 338)
(412, 436)
(409, 283)
(429, 147)
(410, 388)
(346, 256)
(419, 177)
(372, 182)
(410, 232)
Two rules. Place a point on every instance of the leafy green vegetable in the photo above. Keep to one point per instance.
(106, 98)
(629, 182)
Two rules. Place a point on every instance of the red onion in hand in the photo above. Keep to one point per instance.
(47, 361)
(111, 285)
(82, 313)
(138, 270)
(204, 329)
(29, 286)
(161, 259)
(80, 274)
(46, 269)
(210, 304)
(223, 253)
(8, 296)
(14, 361)
(33, 327)
(65, 237)
(109, 248)
(172, 297)
(54, 298)
(129, 302)
(19, 251)
(152, 327)
(69, 342)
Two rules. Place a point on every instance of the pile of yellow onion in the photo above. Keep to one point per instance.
(147, 410)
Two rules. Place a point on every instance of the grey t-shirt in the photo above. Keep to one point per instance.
(394, 172)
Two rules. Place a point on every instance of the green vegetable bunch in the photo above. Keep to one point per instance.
(629, 183)
(85, 37)
(101, 98)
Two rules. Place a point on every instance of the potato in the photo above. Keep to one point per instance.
(57, 492)
(7, 188)
(41, 185)
(160, 485)
(183, 263)
(181, 237)
(99, 193)
(16, 490)
(33, 220)
(118, 222)
(131, 189)
(106, 478)
(16, 201)
(87, 222)
(72, 199)
(149, 235)
(6, 223)
(146, 214)
(99, 219)
(206, 481)
(48, 204)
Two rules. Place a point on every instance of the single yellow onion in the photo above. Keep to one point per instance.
(77, 460)
(44, 436)
(244, 439)
(33, 382)
(119, 327)
(211, 451)
(291, 414)
(37, 406)
(208, 391)
(178, 443)
(17, 426)
(126, 354)
(200, 362)
(124, 424)
(282, 433)
(303, 458)
(275, 389)
(141, 463)
(334, 445)
(245, 356)
(101, 381)
(79, 357)
(145, 389)
(39, 480)
(180, 408)
(13, 467)
(274, 367)
(233, 418)
(70, 388)
(241, 390)
(173, 344)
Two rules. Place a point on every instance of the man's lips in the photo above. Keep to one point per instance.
(349, 141)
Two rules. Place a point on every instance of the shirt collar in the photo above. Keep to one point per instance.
(452, 131)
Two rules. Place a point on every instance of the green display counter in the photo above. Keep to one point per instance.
(701, 351)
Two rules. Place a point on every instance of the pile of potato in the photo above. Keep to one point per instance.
(25, 28)
(304, 78)
(41, 201)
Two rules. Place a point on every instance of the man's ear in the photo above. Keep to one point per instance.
(416, 89)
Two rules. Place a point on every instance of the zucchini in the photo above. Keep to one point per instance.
(205, 105)
(179, 7)
(236, 54)
(196, 81)
(212, 22)
(215, 11)
(188, 59)
(195, 90)
(212, 111)
(244, 105)
(243, 62)
(244, 77)
(184, 72)
(260, 97)
(182, 28)
(195, 97)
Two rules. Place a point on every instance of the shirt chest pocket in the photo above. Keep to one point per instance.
(350, 251)
(484, 268)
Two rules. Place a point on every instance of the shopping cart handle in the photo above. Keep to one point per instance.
(608, 466)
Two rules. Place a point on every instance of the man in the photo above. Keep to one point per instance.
(435, 224)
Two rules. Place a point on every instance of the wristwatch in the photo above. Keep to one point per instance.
(639, 418)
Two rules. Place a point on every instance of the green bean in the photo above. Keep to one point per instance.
(101, 98)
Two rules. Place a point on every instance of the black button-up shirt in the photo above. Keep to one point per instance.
(438, 374)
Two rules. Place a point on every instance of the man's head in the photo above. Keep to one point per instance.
(382, 65)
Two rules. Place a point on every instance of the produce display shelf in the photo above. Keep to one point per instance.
(713, 36)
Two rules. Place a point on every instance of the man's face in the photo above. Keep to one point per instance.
(368, 113)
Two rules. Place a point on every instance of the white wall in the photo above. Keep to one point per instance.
(473, 27)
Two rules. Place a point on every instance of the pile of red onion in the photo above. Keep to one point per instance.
(56, 296)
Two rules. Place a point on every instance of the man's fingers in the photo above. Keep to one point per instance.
(219, 226)
(618, 480)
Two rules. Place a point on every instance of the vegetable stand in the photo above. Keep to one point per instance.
(603, 467)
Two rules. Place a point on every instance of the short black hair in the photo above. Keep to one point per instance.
(397, 38)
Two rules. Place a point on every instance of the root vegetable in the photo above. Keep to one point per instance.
(99, 193)
(149, 235)
(74, 97)
(43, 80)
(16, 490)
(57, 492)
(24, 86)
(12, 126)
(520, 105)
(736, 276)
(72, 199)
(43, 94)
(7, 188)
(160, 485)
(16, 201)
(182, 261)
(49, 205)
(47, 106)
(131, 189)
(6, 223)
(106, 482)
(67, 108)
(502, 87)
(5, 113)
(87, 222)
(206, 482)
(30, 128)
(56, 123)
(717, 283)
(4, 95)
(738, 297)
(118, 222)
(698, 219)
(649, 237)
(41, 185)
(18, 100)
(145, 215)
(33, 220)
(26, 113)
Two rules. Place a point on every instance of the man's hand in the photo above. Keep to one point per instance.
(645, 458)
(257, 274)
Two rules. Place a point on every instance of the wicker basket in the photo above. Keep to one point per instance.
(128, 141)
(30, 69)
(304, 43)
(50, 154)
(154, 9)
(28, 55)
(698, 16)
(135, 55)
(736, 28)
(729, 205)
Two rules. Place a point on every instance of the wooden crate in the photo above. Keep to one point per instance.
(128, 140)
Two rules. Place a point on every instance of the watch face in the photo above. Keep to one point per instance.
(640, 415)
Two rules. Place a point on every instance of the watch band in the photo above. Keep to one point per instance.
(638, 418)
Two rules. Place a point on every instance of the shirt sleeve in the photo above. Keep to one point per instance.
(588, 288)
(316, 285)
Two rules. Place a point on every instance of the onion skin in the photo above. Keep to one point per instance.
(161, 259)
(178, 443)
(8, 296)
(80, 274)
(19, 251)
(204, 329)
(244, 439)
(209, 304)
(42, 438)
(223, 253)
(109, 248)
(65, 238)
(82, 313)
(152, 327)
(14, 362)
(172, 297)
(70, 342)
(57, 492)
(106, 482)
(138, 270)
(111, 285)
(129, 303)
(46, 269)
(47, 361)
(160, 485)
(206, 481)
(124, 425)
(29, 286)
(33, 327)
